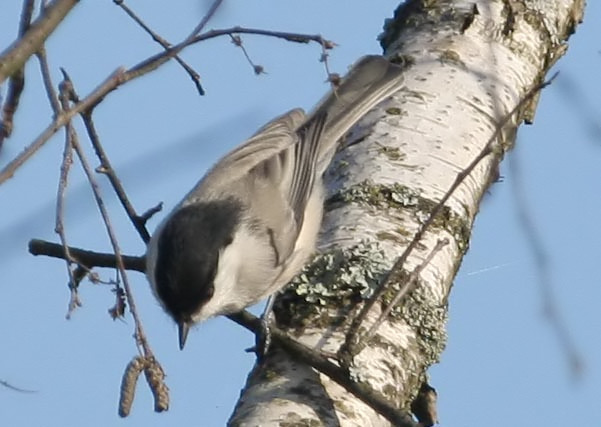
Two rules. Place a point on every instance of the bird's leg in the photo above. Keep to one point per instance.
(263, 336)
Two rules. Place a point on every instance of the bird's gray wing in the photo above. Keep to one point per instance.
(372, 79)
(306, 156)
(270, 140)
(270, 174)
(282, 185)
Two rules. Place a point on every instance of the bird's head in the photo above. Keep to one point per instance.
(188, 246)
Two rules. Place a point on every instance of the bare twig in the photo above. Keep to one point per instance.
(151, 212)
(205, 20)
(15, 56)
(17, 80)
(140, 335)
(45, 69)
(59, 227)
(237, 41)
(291, 37)
(333, 78)
(15, 388)
(120, 76)
(153, 370)
(160, 40)
(157, 60)
(139, 222)
(110, 84)
(461, 176)
(26, 14)
(301, 38)
(85, 257)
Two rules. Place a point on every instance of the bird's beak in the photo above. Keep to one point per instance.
(183, 328)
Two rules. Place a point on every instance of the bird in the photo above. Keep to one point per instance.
(251, 223)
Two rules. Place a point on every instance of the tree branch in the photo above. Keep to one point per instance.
(17, 80)
(110, 84)
(85, 257)
(160, 40)
(120, 76)
(15, 56)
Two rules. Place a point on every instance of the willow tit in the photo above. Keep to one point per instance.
(250, 224)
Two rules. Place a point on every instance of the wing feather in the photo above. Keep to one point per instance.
(266, 143)
(306, 156)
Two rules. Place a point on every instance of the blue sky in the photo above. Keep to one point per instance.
(502, 361)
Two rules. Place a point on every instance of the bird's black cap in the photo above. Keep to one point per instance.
(188, 255)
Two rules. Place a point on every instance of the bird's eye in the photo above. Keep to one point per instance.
(210, 291)
(228, 240)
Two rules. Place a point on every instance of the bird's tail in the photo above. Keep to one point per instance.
(372, 79)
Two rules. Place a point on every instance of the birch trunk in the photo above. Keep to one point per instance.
(468, 64)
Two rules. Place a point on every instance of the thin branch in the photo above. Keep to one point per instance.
(45, 70)
(139, 222)
(205, 20)
(160, 40)
(17, 80)
(153, 371)
(157, 60)
(59, 227)
(14, 388)
(151, 212)
(85, 257)
(120, 76)
(26, 15)
(111, 83)
(140, 335)
(237, 41)
(14, 57)
(291, 37)
(66, 85)
(333, 78)
(461, 176)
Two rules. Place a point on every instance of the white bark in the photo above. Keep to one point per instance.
(396, 164)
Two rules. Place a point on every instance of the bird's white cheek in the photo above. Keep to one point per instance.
(224, 299)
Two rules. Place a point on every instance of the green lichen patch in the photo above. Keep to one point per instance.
(337, 278)
(428, 320)
(397, 196)
(392, 153)
(377, 195)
